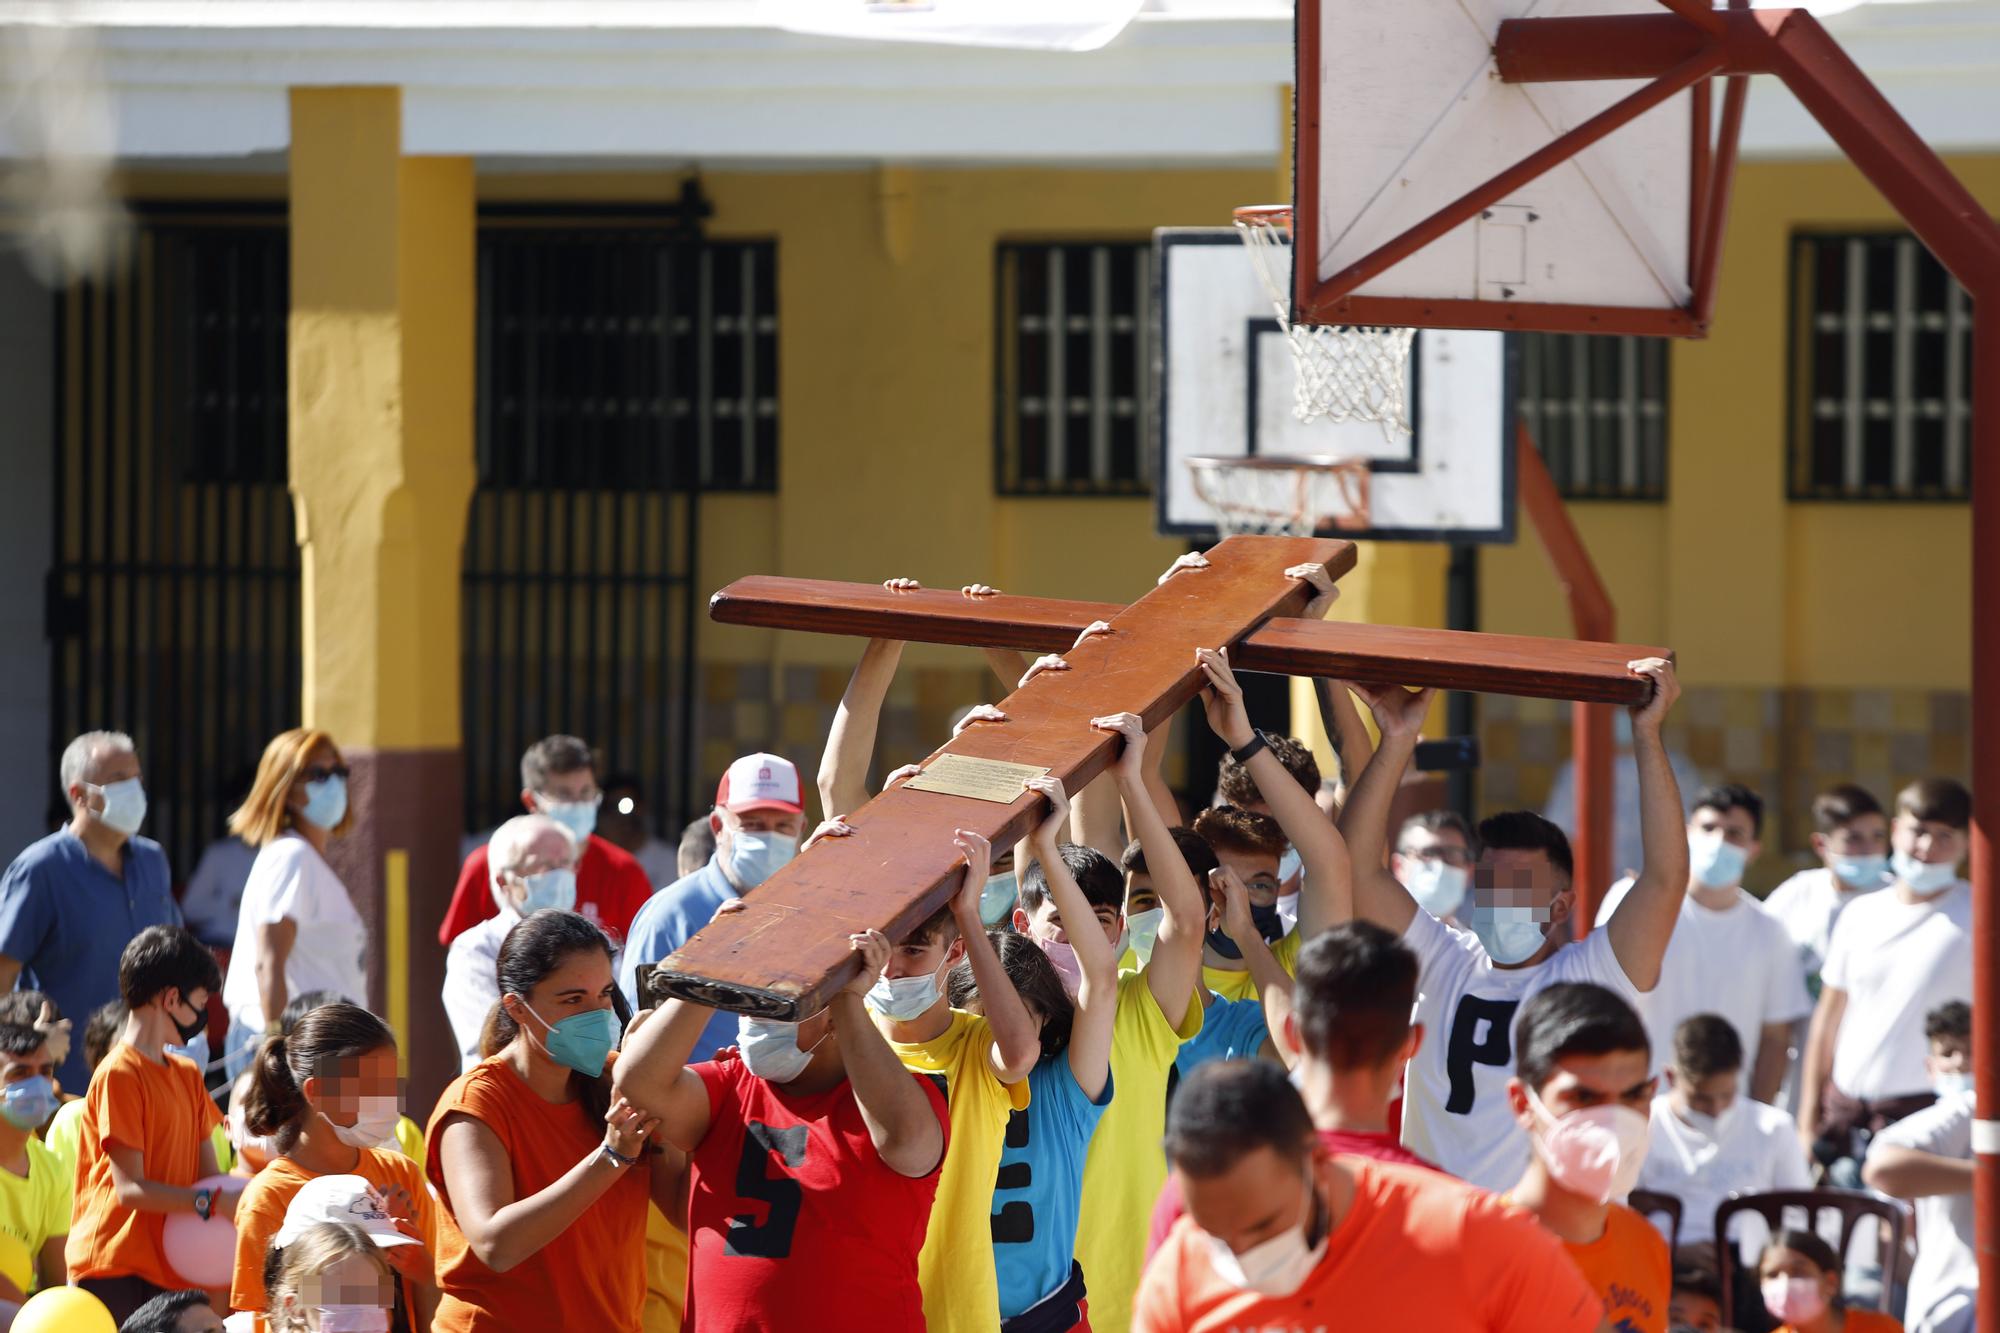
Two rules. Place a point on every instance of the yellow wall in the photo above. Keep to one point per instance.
(1749, 587)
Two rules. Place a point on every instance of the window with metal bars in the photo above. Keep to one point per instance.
(1881, 371)
(1597, 408)
(617, 355)
(1072, 402)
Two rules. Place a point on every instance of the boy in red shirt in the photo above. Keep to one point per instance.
(1582, 1091)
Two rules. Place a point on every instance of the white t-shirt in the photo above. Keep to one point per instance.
(1946, 1276)
(1807, 905)
(1896, 961)
(1737, 962)
(1455, 1110)
(1756, 1147)
(291, 880)
(472, 983)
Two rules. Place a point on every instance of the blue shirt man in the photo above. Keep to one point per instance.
(70, 903)
(757, 819)
(1231, 1030)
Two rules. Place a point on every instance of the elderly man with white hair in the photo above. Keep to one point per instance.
(531, 864)
(71, 902)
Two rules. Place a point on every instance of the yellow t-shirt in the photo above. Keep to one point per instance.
(955, 1267)
(1126, 1166)
(62, 1135)
(1238, 986)
(33, 1209)
(409, 1138)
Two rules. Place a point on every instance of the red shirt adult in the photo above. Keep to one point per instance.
(1167, 1209)
(794, 1220)
(611, 887)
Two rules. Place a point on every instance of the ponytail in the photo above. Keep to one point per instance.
(319, 1043)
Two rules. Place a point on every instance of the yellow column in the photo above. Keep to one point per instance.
(381, 448)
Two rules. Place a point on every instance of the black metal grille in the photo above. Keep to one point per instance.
(1597, 408)
(172, 606)
(625, 364)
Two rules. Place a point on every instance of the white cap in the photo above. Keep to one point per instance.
(349, 1199)
(760, 782)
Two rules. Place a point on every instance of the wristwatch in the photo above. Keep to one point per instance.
(617, 1158)
(1250, 747)
(204, 1203)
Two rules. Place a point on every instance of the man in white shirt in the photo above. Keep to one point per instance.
(1928, 1158)
(1894, 957)
(531, 864)
(1473, 981)
(1851, 839)
(1727, 956)
(1708, 1140)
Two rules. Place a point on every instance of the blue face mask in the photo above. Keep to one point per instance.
(579, 817)
(1289, 865)
(755, 857)
(552, 888)
(326, 802)
(1142, 931)
(997, 899)
(1509, 934)
(1716, 862)
(1924, 876)
(27, 1104)
(582, 1041)
(1863, 872)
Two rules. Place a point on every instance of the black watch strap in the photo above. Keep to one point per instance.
(1250, 747)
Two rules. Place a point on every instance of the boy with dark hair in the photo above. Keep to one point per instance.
(176, 1312)
(1281, 1233)
(1143, 912)
(1696, 1306)
(1516, 939)
(1582, 1090)
(146, 1126)
(1728, 956)
(1433, 860)
(1851, 839)
(34, 1186)
(1895, 956)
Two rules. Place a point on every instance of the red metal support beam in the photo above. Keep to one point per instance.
(1720, 182)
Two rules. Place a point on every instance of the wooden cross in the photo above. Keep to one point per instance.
(786, 953)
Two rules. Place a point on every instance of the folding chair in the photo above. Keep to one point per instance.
(1648, 1203)
(1850, 1205)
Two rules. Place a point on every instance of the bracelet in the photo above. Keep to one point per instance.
(1249, 748)
(617, 1158)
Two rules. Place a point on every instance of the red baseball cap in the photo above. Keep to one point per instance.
(760, 782)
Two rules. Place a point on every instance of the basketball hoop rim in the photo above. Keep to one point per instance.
(1274, 216)
(1279, 462)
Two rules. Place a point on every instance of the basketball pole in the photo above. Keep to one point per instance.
(1956, 228)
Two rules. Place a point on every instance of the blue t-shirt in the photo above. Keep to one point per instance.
(1039, 1190)
(67, 920)
(1230, 1030)
(670, 919)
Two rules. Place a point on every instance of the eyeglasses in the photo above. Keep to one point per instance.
(322, 772)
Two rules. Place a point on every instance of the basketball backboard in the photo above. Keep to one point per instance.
(1224, 386)
(1401, 112)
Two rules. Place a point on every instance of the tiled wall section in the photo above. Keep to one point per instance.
(1785, 743)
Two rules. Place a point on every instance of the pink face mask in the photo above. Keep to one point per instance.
(1796, 1300)
(1063, 956)
(1595, 1151)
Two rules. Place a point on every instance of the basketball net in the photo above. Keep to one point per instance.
(1282, 496)
(1346, 372)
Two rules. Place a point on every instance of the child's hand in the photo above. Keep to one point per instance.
(978, 868)
(1129, 764)
(1237, 923)
(1049, 832)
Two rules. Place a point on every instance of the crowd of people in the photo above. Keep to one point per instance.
(1290, 1064)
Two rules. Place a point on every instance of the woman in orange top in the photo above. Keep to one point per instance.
(544, 1176)
(1801, 1278)
(326, 1096)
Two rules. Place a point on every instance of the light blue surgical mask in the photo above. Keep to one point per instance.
(997, 899)
(1717, 863)
(1923, 876)
(582, 1041)
(326, 802)
(195, 1048)
(124, 805)
(771, 1050)
(1509, 934)
(1945, 1085)
(755, 857)
(1142, 930)
(1438, 888)
(1289, 865)
(1863, 872)
(901, 999)
(27, 1104)
(552, 888)
(579, 817)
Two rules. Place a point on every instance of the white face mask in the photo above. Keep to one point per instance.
(1142, 930)
(901, 999)
(374, 1125)
(124, 805)
(771, 1051)
(1438, 888)
(1595, 1151)
(1289, 865)
(1710, 1127)
(1278, 1266)
(1923, 876)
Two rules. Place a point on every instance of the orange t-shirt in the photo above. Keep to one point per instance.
(163, 1111)
(1631, 1269)
(591, 1276)
(260, 1215)
(1862, 1321)
(1416, 1250)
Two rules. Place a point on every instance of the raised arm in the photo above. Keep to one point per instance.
(1352, 745)
(1017, 1039)
(1644, 922)
(1327, 896)
(1274, 984)
(1097, 991)
(1175, 967)
(850, 742)
(652, 1073)
(901, 1124)
(1364, 817)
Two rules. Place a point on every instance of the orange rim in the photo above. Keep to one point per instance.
(1265, 215)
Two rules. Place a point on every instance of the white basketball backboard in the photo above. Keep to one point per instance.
(1402, 111)
(1224, 381)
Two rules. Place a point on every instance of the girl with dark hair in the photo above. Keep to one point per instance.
(1800, 1275)
(324, 1098)
(1040, 1187)
(544, 1174)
